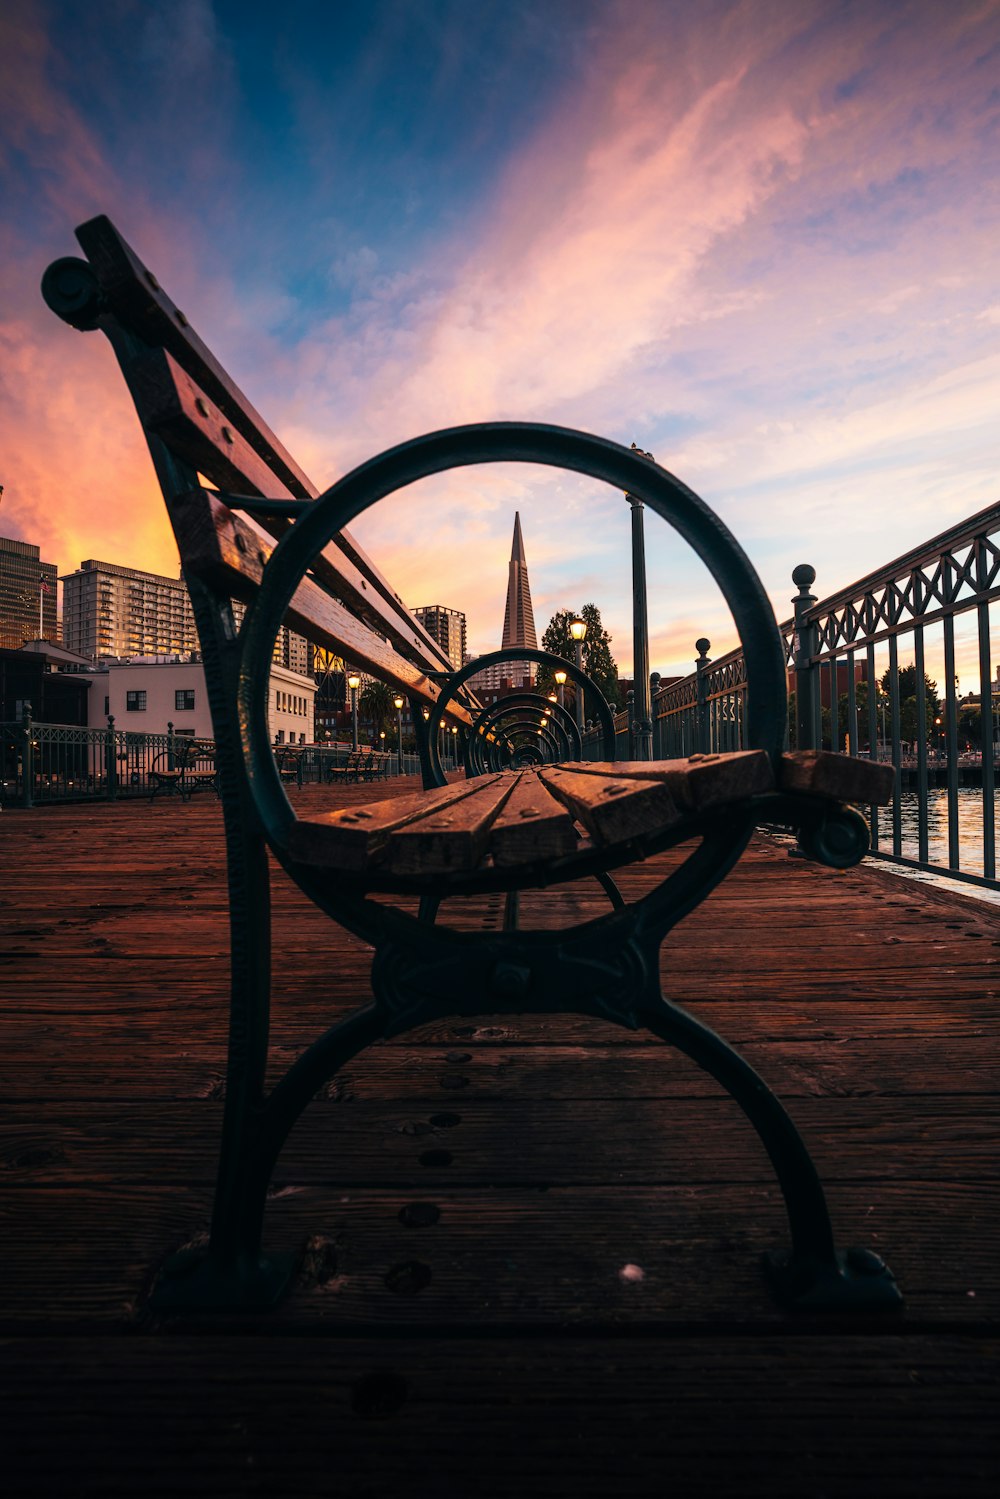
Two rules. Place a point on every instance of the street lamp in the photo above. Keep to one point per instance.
(354, 682)
(397, 703)
(560, 677)
(454, 747)
(578, 630)
(642, 726)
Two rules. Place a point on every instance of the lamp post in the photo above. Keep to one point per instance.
(354, 682)
(397, 703)
(454, 747)
(560, 677)
(578, 630)
(642, 726)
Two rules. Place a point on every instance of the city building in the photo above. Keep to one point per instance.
(518, 628)
(143, 694)
(121, 612)
(27, 594)
(146, 695)
(35, 675)
(447, 627)
(109, 610)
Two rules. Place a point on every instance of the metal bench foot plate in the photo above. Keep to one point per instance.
(192, 1281)
(859, 1281)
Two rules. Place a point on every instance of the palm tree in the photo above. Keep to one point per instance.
(376, 704)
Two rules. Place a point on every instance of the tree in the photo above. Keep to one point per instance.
(861, 708)
(908, 726)
(376, 703)
(598, 661)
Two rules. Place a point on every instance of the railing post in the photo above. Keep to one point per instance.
(807, 705)
(110, 763)
(655, 730)
(702, 729)
(171, 755)
(630, 724)
(27, 757)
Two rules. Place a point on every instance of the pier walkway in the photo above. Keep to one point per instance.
(532, 1245)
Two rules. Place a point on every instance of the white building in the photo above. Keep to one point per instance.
(145, 695)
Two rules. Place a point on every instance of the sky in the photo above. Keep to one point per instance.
(759, 238)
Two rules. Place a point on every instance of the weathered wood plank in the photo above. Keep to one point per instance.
(501, 1257)
(848, 779)
(170, 1062)
(628, 1141)
(531, 826)
(697, 782)
(449, 838)
(357, 837)
(779, 1417)
(613, 810)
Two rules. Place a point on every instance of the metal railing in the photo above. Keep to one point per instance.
(849, 659)
(44, 763)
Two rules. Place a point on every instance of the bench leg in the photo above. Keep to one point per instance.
(611, 890)
(428, 909)
(232, 1275)
(812, 1276)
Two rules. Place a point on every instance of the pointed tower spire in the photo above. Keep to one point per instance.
(518, 619)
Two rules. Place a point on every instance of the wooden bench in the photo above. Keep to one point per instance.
(357, 767)
(184, 769)
(268, 539)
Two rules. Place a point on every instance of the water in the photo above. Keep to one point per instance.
(970, 827)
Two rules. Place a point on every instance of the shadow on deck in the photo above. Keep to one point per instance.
(532, 1246)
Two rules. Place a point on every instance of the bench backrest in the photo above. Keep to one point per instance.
(199, 423)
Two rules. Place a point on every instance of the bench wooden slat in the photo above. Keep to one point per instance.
(356, 837)
(613, 808)
(451, 838)
(845, 777)
(220, 547)
(698, 782)
(135, 294)
(172, 405)
(532, 826)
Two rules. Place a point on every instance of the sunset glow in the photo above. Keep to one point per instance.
(759, 239)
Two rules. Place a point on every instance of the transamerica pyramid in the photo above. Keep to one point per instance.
(518, 619)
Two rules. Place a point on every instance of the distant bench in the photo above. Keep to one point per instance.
(268, 539)
(360, 765)
(182, 770)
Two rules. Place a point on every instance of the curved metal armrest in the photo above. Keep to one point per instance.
(830, 832)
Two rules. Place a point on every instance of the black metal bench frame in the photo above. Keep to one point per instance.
(423, 971)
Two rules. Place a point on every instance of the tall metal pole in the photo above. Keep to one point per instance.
(643, 723)
(397, 703)
(354, 718)
(579, 689)
(807, 705)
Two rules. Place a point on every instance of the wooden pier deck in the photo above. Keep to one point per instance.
(532, 1246)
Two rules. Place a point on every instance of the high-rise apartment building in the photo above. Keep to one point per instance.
(110, 610)
(114, 611)
(27, 595)
(447, 627)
